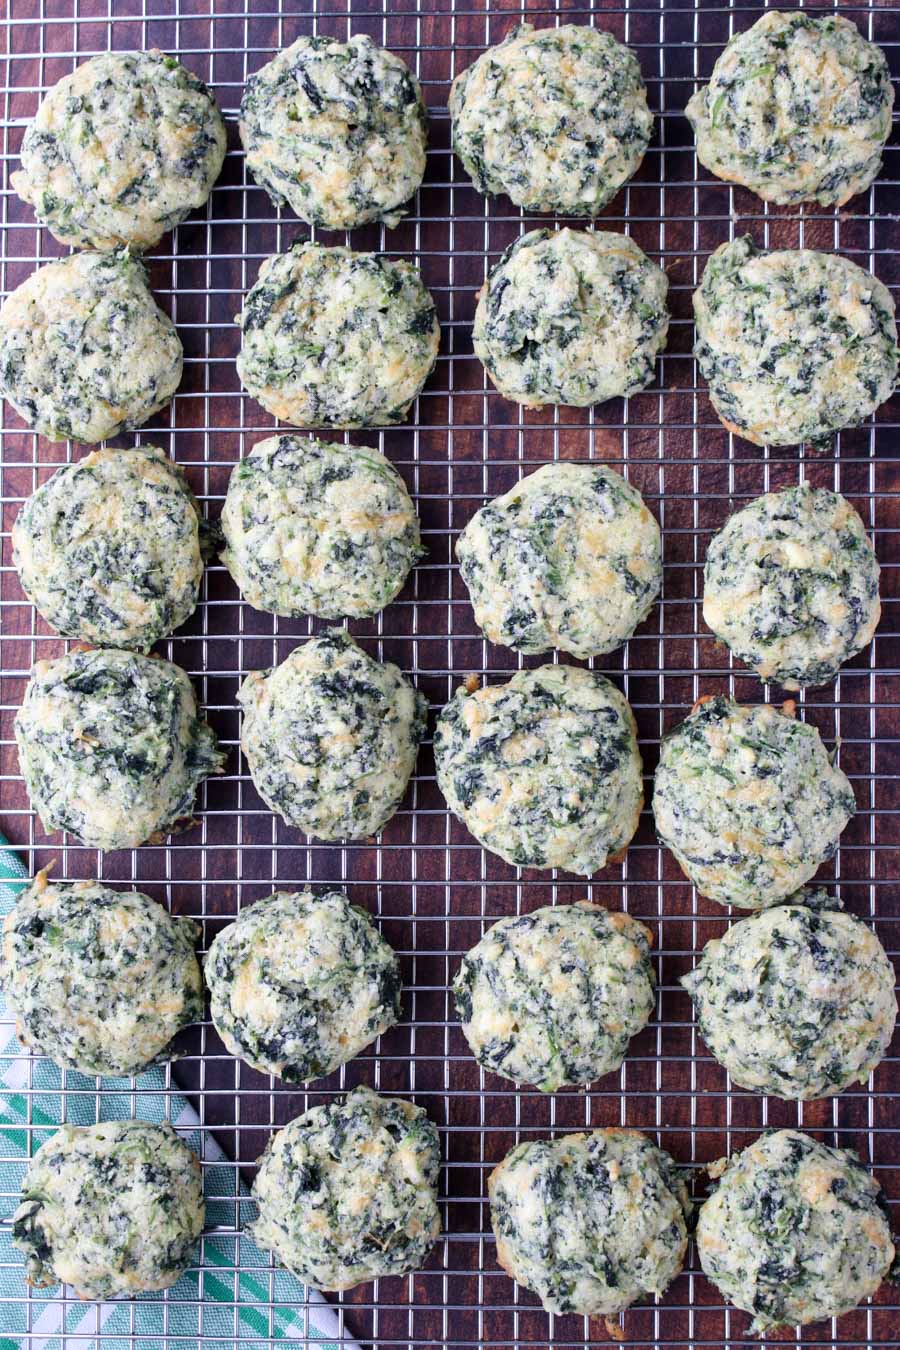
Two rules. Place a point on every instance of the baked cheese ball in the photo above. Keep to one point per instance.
(347, 1192)
(569, 558)
(110, 1209)
(794, 345)
(84, 350)
(301, 983)
(796, 1001)
(111, 746)
(100, 980)
(556, 118)
(590, 1222)
(337, 130)
(552, 998)
(797, 109)
(121, 150)
(333, 338)
(109, 549)
(791, 586)
(749, 801)
(543, 770)
(331, 737)
(795, 1231)
(573, 317)
(313, 527)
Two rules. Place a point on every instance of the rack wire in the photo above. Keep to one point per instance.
(432, 890)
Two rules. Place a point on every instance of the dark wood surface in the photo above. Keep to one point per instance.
(430, 887)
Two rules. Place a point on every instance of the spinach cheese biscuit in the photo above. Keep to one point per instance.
(333, 338)
(543, 770)
(110, 1209)
(797, 109)
(109, 549)
(301, 983)
(794, 345)
(111, 746)
(553, 997)
(312, 527)
(573, 317)
(348, 1192)
(84, 350)
(791, 586)
(331, 737)
(337, 130)
(749, 801)
(568, 558)
(795, 1231)
(556, 118)
(796, 1001)
(100, 980)
(590, 1222)
(121, 150)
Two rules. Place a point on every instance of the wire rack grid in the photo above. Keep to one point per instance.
(432, 890)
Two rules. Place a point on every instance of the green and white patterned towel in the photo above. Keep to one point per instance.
(234, 1294)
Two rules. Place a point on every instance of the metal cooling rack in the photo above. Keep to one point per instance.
(431, 888)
